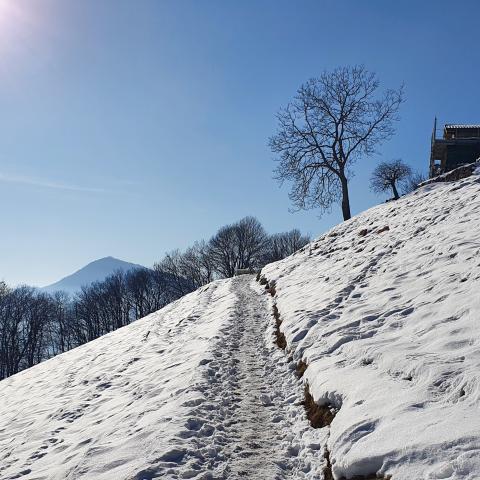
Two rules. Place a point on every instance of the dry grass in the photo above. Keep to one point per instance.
(328, 474)
(319, 415)
(327, 469)
(300, 369)
(271, 288)
(386, 228)
(263, 280)
(280, 339)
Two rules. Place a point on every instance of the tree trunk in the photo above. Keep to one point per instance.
(345, 199)
(395, 191)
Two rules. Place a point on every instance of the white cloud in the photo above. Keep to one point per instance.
(46, 183)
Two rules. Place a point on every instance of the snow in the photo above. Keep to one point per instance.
(196, 390)
(387, 321)
(385, 318)
(112, 408)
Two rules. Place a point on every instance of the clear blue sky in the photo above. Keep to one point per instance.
(132, 127)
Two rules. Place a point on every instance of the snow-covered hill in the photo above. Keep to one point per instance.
(95, 271)
(384, 311)
(192, 391)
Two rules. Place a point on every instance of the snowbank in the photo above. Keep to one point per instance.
(109, 408)
(197, 390)
(385, 311)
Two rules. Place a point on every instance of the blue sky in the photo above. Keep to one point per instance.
(129, 128)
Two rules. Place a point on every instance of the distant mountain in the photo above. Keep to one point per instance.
(93, 272)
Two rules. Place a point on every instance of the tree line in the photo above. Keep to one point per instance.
(35, 325)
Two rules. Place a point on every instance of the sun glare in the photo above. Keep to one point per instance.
(8, 19)
(6, 9)
(15, 25)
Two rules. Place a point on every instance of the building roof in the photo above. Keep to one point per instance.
(458, 126)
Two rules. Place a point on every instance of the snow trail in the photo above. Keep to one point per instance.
(251, 412)
(253, 451)
(197, 390)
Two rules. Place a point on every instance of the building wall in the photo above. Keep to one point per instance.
(461, 154)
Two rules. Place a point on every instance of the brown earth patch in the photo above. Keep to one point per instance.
(319, 415)
(270, 287)
(300, 368)
(280, 339)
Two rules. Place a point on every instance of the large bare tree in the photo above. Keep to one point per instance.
(333, 120)
(237, 246)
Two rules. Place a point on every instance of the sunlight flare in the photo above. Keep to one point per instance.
(16, 25)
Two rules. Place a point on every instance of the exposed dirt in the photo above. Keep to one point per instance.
(319, 415)
(300, 368)
(280, 339)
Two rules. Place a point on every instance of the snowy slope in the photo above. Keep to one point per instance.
(110, 409)
(388, 322)
(385, 318)
(95, 271)
(196, 390)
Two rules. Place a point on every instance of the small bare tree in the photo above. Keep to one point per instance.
(332, 121)
(413, 181)
(390, 176)
(281, 245)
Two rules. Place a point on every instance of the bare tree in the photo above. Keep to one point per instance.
(139, 287)
(114, 301)
(176, 273)
(240, 245)
(186, 271)
(88, 325)
(390, 176)
(61, 325)
(251, 242)
(197, 265)
(24, 318)
(160, 293)
(37, 315)
(332, 121)
(413, 181)
(223, 251)
(205, 261)
(281, 245)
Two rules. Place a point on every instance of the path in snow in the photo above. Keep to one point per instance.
(253, 452)
(197, 390)
(249, 421)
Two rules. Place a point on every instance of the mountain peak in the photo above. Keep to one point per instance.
(95, 271)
